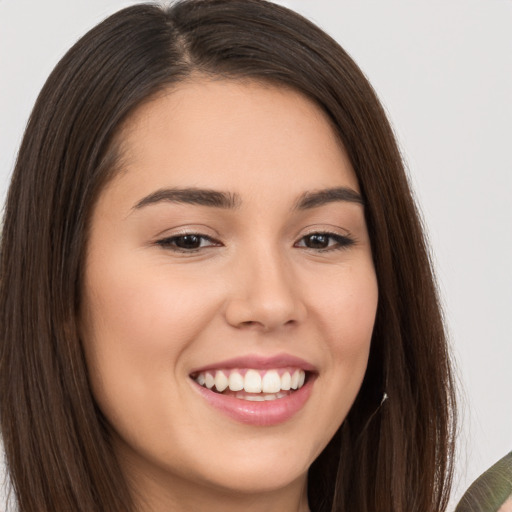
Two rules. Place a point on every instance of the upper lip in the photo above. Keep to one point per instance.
(258, 362)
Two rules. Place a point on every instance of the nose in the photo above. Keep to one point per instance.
(264, 293)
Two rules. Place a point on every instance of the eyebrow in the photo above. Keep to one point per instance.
(227, 200)
(197, 196)
(318, 198)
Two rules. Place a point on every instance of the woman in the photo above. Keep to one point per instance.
(215, 288)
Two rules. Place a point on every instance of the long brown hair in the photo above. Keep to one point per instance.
(395, 456)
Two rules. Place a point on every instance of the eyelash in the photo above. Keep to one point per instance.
(170, 242)
(341, 242)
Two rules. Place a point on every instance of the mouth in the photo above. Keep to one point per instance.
(253, 384)
(255, 390)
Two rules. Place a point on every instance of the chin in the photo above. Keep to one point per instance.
(262, 466)
(260, 478)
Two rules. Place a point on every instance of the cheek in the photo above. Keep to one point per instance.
(346, 313)
(136, 325)
(143, 310)
(347, 309)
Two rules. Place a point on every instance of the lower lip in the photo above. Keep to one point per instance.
(270, 412)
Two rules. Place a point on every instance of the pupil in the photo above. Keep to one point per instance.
(318, 241)
(188, 241)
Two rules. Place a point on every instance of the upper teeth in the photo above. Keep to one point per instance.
(252, 381)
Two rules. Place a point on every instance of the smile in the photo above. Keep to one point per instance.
(251, 384)
(255, 390)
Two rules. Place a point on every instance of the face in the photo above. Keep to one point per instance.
(229, 291)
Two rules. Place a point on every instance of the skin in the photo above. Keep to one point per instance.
(150, 314)
(507, 506)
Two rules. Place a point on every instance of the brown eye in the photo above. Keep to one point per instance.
(317, 241)
(325, 241)
(187, 243)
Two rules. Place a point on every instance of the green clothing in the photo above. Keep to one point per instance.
(492, 491)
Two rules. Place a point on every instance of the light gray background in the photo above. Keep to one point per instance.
(443, 69)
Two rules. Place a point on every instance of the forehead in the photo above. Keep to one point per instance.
(233, 135)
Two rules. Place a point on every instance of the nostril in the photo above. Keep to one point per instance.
(249, 324)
